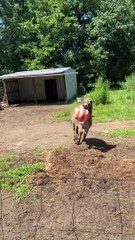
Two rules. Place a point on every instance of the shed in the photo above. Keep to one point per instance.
(50, 85)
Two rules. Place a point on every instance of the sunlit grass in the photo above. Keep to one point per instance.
(121, 132)
(17, 179)
(5, 162)
(119, 108)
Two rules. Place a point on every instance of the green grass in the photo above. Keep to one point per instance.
(5, 162)
(129, 86)
(120, 132)
(119, 108)
(39, 152)
(17, 179)
(66, 114)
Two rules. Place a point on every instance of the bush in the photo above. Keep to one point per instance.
(101, 92)
(81, 91)
(129, 86)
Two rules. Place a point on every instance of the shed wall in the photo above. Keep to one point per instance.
(12, 90)
(27, 91)
(71, 84)
(40, 89)
(61, 88)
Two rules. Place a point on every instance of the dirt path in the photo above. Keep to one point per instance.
(25, 128)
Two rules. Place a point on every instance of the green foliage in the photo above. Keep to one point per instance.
(95, 37)
(81, 91)
(17, 179)
(5, 162)
(120, 132)
(101, 92)
(11, 13)
(129, 86)
(113, 31)
(119, 108)
(130, 83)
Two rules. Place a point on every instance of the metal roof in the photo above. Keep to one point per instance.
(36, 73)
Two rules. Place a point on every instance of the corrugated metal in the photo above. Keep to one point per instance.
(61, 88)
(12, 90)
(27, 90)
(40, 88)
(71, 84)
(35, 73)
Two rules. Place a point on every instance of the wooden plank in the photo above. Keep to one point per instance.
(35, 92)
(11, 81)
(5, 97)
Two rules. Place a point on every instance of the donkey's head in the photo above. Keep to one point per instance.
(87, 104)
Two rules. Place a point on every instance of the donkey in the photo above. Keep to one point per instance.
(81, 124)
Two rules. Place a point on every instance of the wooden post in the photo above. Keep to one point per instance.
(5, 97)
(34, 88)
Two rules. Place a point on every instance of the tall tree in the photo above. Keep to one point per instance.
(11, 13)
(113, 31)
(95, 37)
(59, 30)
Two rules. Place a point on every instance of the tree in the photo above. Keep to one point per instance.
(11, 13)
(112, 30)
(95, 37)
(56, 33)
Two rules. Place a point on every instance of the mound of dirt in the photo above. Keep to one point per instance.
(79, 162)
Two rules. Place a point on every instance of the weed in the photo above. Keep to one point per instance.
(101, 92)
(129, 86)
(5, 162)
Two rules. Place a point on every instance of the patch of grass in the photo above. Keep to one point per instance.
(39, 152)
(62, 147)
(121, 132)
(119, 108)
(66, 114)
(17, 179)
(5, 162)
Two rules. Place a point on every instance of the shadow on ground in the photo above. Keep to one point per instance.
(99, 144)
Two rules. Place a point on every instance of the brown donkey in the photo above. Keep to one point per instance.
(81, 119)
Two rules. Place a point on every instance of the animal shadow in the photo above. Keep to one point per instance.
(99, 144)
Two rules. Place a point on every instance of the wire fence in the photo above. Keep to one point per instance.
(89, 232)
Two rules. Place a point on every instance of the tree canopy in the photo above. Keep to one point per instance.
(96, 37)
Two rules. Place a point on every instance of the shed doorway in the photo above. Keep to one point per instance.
(51, 90)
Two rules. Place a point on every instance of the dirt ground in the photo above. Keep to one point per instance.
(87, 192)
(25, 128)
